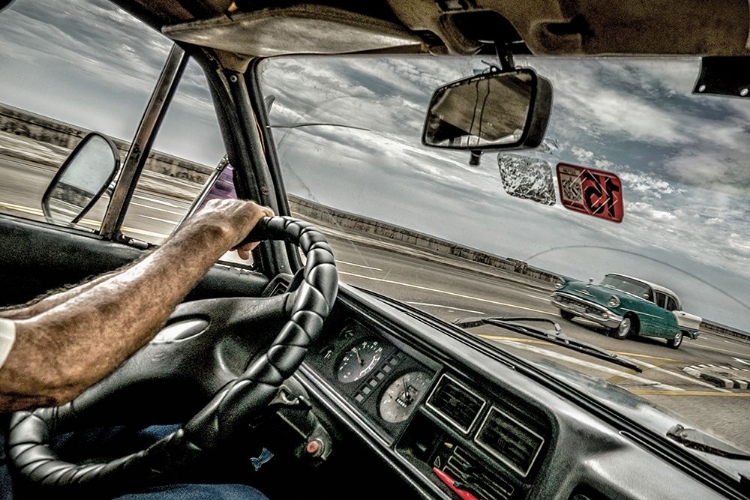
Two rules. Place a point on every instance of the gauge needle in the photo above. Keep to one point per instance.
(359, 358)
(406, 396)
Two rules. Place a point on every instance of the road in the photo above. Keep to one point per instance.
(152, 216)
(453, 290)
(451, 293)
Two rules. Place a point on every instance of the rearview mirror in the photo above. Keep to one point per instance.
(491, 111)
(81, 180)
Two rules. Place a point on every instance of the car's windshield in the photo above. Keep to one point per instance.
(428, 228)
(628, 285)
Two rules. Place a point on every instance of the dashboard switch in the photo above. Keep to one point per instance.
(449, 481)
(314, 447)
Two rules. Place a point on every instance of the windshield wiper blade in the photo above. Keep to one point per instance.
(691, 438)
(556, 337)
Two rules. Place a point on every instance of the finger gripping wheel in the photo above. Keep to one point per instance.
(234, 407)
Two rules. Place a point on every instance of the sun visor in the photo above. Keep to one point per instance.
(304, 29)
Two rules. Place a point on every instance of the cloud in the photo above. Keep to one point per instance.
(646, 184)
(648, 211)
(682, 158)
(582, 154)
(94, 65)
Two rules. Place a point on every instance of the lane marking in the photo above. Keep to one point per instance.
(452, 294)
(357, 265)
(88, 222)
(656, 392)
(144, 232)
(154, 200)
(682, 376)
(543, 299)
(156, 208)
(173, 222)
(21, 208)
(692, 380)
(715, 349)
(587, 364)
(535, 341)
(648, 356)
(444, 307)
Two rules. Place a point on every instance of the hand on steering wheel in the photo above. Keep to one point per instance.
(236, 405)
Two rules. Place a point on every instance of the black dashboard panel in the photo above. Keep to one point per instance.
(441, 422)
(465, 420)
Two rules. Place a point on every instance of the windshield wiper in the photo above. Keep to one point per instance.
(691, 438)
(556, 337)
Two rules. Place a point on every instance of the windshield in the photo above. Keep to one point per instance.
(628, 285)
(426, 227)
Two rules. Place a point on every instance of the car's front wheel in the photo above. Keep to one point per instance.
(625, 329)
(676, 341)
(567, 315)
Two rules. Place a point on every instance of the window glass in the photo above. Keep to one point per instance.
(186, 150)
(67, 68)
(178, 174)
(671, 304)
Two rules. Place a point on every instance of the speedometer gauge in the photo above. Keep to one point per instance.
(401, 397)
(359, 360)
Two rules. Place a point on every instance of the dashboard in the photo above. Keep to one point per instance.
(451, 429)
(458, 418)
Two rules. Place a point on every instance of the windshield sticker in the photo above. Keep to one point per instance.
(590, 191)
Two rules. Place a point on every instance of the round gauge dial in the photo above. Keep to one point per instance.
(399, 400)
(359, 360)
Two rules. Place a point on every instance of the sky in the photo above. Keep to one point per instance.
(682, 158)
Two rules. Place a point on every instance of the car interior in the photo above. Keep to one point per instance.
(289, 379)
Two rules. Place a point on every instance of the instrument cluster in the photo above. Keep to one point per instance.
(373, 374)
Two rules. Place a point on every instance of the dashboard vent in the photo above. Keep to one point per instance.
(509, 440)
(456, 403)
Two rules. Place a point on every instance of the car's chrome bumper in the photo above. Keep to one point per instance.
(585, 309)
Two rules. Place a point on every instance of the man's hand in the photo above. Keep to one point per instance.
(72, 344)
(233, 219)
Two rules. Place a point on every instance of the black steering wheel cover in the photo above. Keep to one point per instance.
(239, 404)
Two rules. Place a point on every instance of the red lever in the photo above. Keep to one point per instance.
(450, 481)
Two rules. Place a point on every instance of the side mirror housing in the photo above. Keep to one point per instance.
(491, 111)
(81, 180)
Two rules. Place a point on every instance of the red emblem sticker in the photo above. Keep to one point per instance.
(590, 191)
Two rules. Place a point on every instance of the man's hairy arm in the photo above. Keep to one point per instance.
(53, 298)
(72, 345)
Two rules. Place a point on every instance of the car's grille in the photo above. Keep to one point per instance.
(577, 304)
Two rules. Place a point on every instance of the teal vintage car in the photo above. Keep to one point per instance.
(627, 306)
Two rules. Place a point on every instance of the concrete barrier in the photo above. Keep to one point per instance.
(63, 137)
(726, 331)
(376, 228)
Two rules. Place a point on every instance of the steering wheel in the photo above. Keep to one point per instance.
(237, 402)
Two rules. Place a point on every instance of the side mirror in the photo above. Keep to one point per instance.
(491, 111)
(81, 180)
